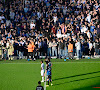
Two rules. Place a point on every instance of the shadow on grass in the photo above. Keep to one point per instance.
(91, 87)
(76, 75)
(76, 80)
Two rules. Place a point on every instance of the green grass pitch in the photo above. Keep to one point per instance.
(83, 74)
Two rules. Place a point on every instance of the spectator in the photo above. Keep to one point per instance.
(78, 49)
(49, 47)
(98, 30)
(32, 25)
(91, 49)
(21, 49)
(70, 50)
(89, 35)
(10, 51)
(0, 51)
(96, 47)
(42, 20)
(66, 48)
(30, 51)
(99, 46)
(88, 18)
(54, 49)
(92, 27)
(12, 15)
(61, 48)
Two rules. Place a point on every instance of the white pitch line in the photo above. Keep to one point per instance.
(45, 79)
(19, 63)
(52, 62)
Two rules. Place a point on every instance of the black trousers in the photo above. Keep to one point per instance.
(30, 55)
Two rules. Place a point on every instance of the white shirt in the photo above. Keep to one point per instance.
(96, 6)
(54, 43)
(49, 44)
(38, 14)
(2, 17)
(55, 10)
(32, 25)
(64, 11)
(8, 22)
(78, 45)
(58, 35)
(94, 44)
(88, 18)
(42, 66)
(61, 35)
(90, 45)
(84, 29)
(89, 35)
(21, 43)
(7, 44)
(65, 35)
(2, 43)
(27, 2)
(83, 1)
(12, 14)
(55, 18)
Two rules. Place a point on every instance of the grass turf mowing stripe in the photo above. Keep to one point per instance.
(52, 62)
(67, 75)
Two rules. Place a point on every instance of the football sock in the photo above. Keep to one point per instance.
(42, 78)
(48, 82)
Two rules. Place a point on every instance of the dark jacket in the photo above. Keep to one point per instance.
(61, 45)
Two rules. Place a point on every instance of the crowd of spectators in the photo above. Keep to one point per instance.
(61, 28)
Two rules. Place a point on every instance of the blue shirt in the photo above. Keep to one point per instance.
(92, 28)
